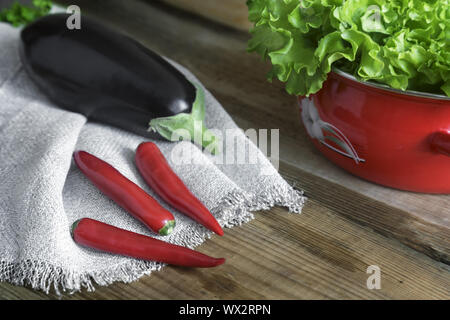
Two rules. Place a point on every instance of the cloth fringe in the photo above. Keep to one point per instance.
(234, 209)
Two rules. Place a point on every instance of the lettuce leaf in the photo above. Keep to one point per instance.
(18, 14)
(402, 43)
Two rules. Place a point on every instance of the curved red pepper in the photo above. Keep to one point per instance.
(125, 193)
(104, 237)
(160, 177)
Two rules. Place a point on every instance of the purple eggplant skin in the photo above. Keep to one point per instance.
(105, 75)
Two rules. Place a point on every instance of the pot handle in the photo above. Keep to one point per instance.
(440, 142)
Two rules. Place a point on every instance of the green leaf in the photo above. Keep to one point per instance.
(18, 14)
(446, 88)
(402, 43)
(371, 21)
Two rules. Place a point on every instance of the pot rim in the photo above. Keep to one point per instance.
(388, 88)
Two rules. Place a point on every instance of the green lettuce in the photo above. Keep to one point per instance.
(18, 14)
(401, 43)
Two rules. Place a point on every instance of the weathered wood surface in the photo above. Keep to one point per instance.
(319, 255)
(347, 225)
(233, 13)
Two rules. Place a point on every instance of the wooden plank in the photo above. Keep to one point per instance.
(217, 55)
(318, 255)
(233, 13)
(323, 253)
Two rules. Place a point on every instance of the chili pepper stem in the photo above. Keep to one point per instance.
(168, 228)
(74, 226)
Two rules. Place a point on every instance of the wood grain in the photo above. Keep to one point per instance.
(347, 225)
(233, 13)
(318, 255)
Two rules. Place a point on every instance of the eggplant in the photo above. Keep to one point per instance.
(112, 79)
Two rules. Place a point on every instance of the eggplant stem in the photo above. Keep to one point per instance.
(188, 125)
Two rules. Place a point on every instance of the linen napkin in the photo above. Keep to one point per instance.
(42, 192)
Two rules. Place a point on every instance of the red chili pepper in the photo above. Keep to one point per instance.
(125, 193)
(160, 177)
(105, 237)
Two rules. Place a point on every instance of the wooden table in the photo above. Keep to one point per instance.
(346, 226)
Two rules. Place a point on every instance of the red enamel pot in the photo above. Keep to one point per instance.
(390, 137)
